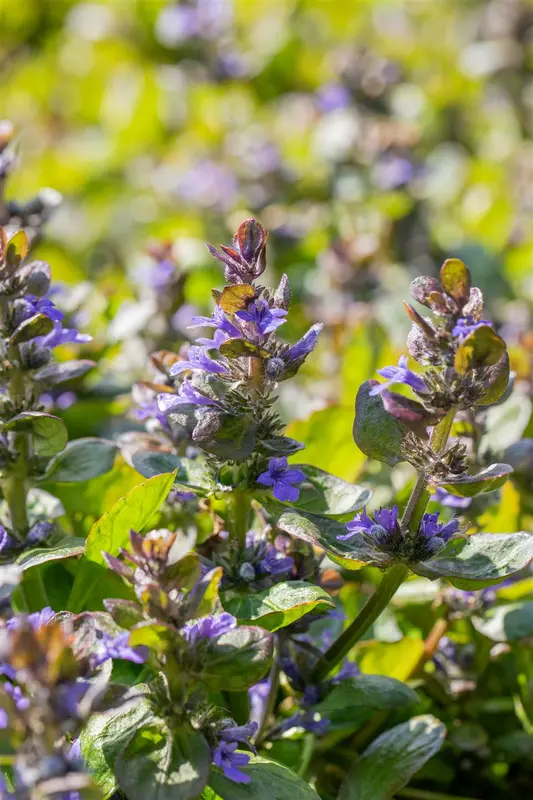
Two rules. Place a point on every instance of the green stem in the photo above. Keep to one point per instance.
(307, 754)
(271, 700)
(239, 511)
(14, 484)
(369, 613)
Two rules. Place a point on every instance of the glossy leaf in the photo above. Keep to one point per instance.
(82, 460)
(480, 560)
(268, 781)
(456, 280)
(38, 325)
(49, 433)
(393, 758)
(164, 764)
(56, 373)
(190, 473)
(323, 493)
(507, 623)
(278, 606)
(16, 250)
(353, 701)
(132, 512)
(495, 381)
(323, 532)
(237, 659)
(378, 434)
(481, 348)
(487, 480)
(105, 735)
(68, 548)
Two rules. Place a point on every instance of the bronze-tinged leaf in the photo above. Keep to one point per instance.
(437, 302)
(236, 297)
(16, 249)
(456, 280)
(250, 238)
(419, 320)
(163, 360)
(235, 348)
(482, 348)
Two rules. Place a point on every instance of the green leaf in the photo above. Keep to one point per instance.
(495, 380)
(393, 659)
(377, 433)
(483, 559)
(82, 460)
(68, 548)
(105, 735)
(235, 348)
(94, 583)
(455, 279)
(158, 637)
(322, 493)
(161, 763)
(191, 473)
(269, 781)
(236, 660)
(228, 436)
(132, 512)
(323, 532)
(38, 325)
(16, 250)
(481, 348)
(278, 606)
(353, 701)
(487, 480)
(49, 433)
(393, 758)
(506, 623)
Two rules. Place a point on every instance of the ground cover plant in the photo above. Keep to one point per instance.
(266, 517)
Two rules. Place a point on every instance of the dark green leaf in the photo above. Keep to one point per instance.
(393, 758)
(191, 473)
(68, 548)
(164, 764)
(278, 606)
(269, 781)
(323, 532)
(56, 373)
(49, 433)
(378, 434)
(237, 659)
(483, 559)
(228, 436)
(496, 380)
(105, 735)
(487, 480)
(507, 623)
(82, 460)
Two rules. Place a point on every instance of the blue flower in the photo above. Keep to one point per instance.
(197, 358)
(209, 627)
(239, 733)
(219, 337)
(42, 305)
(305, 345)
(437, 534)
(400, 374)
(187, 393)
(309, 720)
(36, 620)
(15, 692)
(379, 530)
(118, 647)
(219, 321)
(281, 477)
(230, 762)
(61, 336)
(262, 316)
(466, 325)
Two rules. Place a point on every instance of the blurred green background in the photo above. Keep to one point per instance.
(372, 139)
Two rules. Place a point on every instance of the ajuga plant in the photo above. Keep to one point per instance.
(205, 622)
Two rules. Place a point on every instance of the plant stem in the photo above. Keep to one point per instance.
(271, 699)
(307, 754)
(14, 484)
(369, 613)
(239, 516)
(239, 706)
(420, 495)
(430, 644)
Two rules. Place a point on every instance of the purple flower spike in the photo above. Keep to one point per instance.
(60, 336)
(400, 374)
(226, 759)
(379, 529)
(239, 733)
(219, 321)
(219, 338)
(281, 477)
(208, 627)
(466, 325)
(118, 647)
(264, 318)
(43, 305)
(197, 358)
